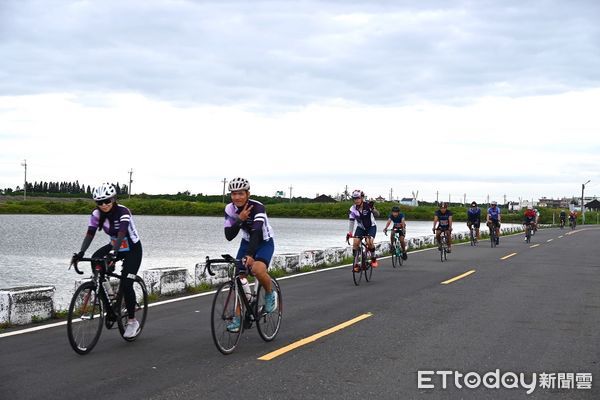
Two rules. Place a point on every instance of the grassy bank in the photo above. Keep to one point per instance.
(145, 206)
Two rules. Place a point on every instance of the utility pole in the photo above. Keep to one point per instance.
(130, 181)
(488, 199)
(582, 205)
(224, 182)
(291, 187)
(449, 199)
(24, 163)
(504, 199)
(391, 194)
(437, 197)
(465, 199)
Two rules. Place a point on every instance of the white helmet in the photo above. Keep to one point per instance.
(357, 194)
(104, 191)
(238, 184)
(530, 207)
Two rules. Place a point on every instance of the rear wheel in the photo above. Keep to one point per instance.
(141, 309)
(357, 274)
(268, 323)
(85, 318)
(226, 306)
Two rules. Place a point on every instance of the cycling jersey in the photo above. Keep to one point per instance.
(443, 219)
(529, 216)
(397, 221)
(474, 214)
(363, 219)
(494, 213)
(572, 215)
(257, 220)
(118, 219)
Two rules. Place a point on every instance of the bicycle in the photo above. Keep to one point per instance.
(562, 223)
(528, 232)
(362, 258)
(231, 301)
(572, 223)
(493, 236)
(397, 252)
(93, 304)
(472, 236)
(443, 246)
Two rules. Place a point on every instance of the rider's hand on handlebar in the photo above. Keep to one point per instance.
(385, 231)
(348, 236)
(76, 257)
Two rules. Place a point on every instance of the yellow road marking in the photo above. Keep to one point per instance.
(549, 240)
(535, 245)
(310, 339)
(508, 256)
(458, 277)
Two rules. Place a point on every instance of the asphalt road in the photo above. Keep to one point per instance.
(536, 312)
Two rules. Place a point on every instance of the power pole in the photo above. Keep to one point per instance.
(224, 182)
(291, 187)
(464, 199)
(437, 197)
(582, 205)
(24, 163)
(391, 194)
(130, 181)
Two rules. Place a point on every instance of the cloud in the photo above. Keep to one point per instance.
(271, 55)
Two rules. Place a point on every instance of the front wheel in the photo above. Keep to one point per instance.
(268, 323)
(226, 306)
(141, 308)
(85, 318)
(366, 264)
(357, 267)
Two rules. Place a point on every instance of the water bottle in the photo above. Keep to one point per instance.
(108, 289)
(247, 290)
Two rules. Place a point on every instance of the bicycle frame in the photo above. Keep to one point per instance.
(101, 270)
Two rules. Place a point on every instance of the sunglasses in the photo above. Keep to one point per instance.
(103, 202)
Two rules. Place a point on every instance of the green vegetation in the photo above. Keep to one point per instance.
(158, 205)
(201, 288)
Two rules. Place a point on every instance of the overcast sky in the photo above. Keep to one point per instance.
(457, 97)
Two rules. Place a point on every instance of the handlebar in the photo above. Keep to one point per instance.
(227, 259)
(356, 237)
(99, 260)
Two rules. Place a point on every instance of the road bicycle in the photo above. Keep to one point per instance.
(562, 223)
(443, 246)
(94, 304)
(572, 223)
(235, 298)
(493, 236)
(397, 253)
(472, 235)
(528, 232)
(361, 264)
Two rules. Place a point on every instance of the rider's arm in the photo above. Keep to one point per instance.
(123, 229)
(435, 219)
(233, 223)
(450, 222)
(387, 224)
(375, 212)
(87, 240)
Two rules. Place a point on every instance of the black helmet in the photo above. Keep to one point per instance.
(395, 209)
(444, 205)
(474, 204)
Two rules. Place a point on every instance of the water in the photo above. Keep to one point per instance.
(36, 249)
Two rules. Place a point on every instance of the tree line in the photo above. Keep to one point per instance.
(60, 188)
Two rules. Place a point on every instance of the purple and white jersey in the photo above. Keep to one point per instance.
(118, 219)
(363, 219)
(257, 220)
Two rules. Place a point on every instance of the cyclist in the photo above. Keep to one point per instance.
(537, 219)
(573, 218)
(443, 219)
(397, 218)
(563, 218)
(529, 218)
(494, 219)
(474, 218)
(257, 245)
(117, 222)
(362, 223)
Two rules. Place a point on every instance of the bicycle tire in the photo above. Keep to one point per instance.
(222, 313)
(395, 258)
(472, 237)
(268, 324)
(443, 250)
(141, 306)
(85, 318)
(366, 265)
(357, 275)
(528, 235)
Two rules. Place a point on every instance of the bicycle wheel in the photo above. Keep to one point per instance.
(141, 309)
(224, 306)
(472, 237)
(85, 318)
(399, 254)
(396, 259)
(366, 265)
(527, 235)
(357, 275)
(268, 323)
(443, 250)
